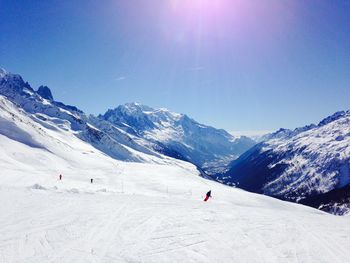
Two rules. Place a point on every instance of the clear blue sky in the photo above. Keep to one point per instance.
(233, 64)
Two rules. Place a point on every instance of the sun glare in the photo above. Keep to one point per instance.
(245, 21)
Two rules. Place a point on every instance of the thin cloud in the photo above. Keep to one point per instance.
(120, 78)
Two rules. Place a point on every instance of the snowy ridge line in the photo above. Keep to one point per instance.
(208, 148)
(300, 166)
(56, 115)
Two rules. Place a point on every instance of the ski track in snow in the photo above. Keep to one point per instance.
(68, 227)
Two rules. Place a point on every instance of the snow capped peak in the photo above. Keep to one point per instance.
(281, 133)
(303, 165)
(12, 85)
(147, 116)
(182, 136)
(334, 117)
(286, 133)
(135, 107)
(8, 75)
(142, 117)
(3, 72)
(132, 105)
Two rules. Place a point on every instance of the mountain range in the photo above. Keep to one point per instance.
(308, 165)
(208, 148)
(132, 131)
(146, 208)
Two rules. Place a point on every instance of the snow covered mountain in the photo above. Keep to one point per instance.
(209, 148)
(31, 143)
(146, 211)
(101, 134)
(310, 165)
(127, 131)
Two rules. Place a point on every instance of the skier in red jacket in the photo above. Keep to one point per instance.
(208, 195)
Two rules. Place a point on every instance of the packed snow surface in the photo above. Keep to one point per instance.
(92, 224)
(139, 212)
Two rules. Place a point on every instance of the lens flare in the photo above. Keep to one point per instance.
(227, 18)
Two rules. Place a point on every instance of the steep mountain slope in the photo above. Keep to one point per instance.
(37, 145)
(301, 165)
(207, 147)
(124, 132)
(101, 134)
(139, 212)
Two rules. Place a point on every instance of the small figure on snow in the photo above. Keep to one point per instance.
(60, 177)
(91, 180)
(208, 195)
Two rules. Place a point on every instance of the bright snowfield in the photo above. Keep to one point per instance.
(140, 212)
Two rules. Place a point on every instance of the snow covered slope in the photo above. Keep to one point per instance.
(124, 132)
(209, 148)
(43, 109)
(301, 165)
(53, 141)
(139, 212)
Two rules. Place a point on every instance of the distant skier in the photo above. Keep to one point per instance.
(60, 177)
(208, 195)
(91, 180)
